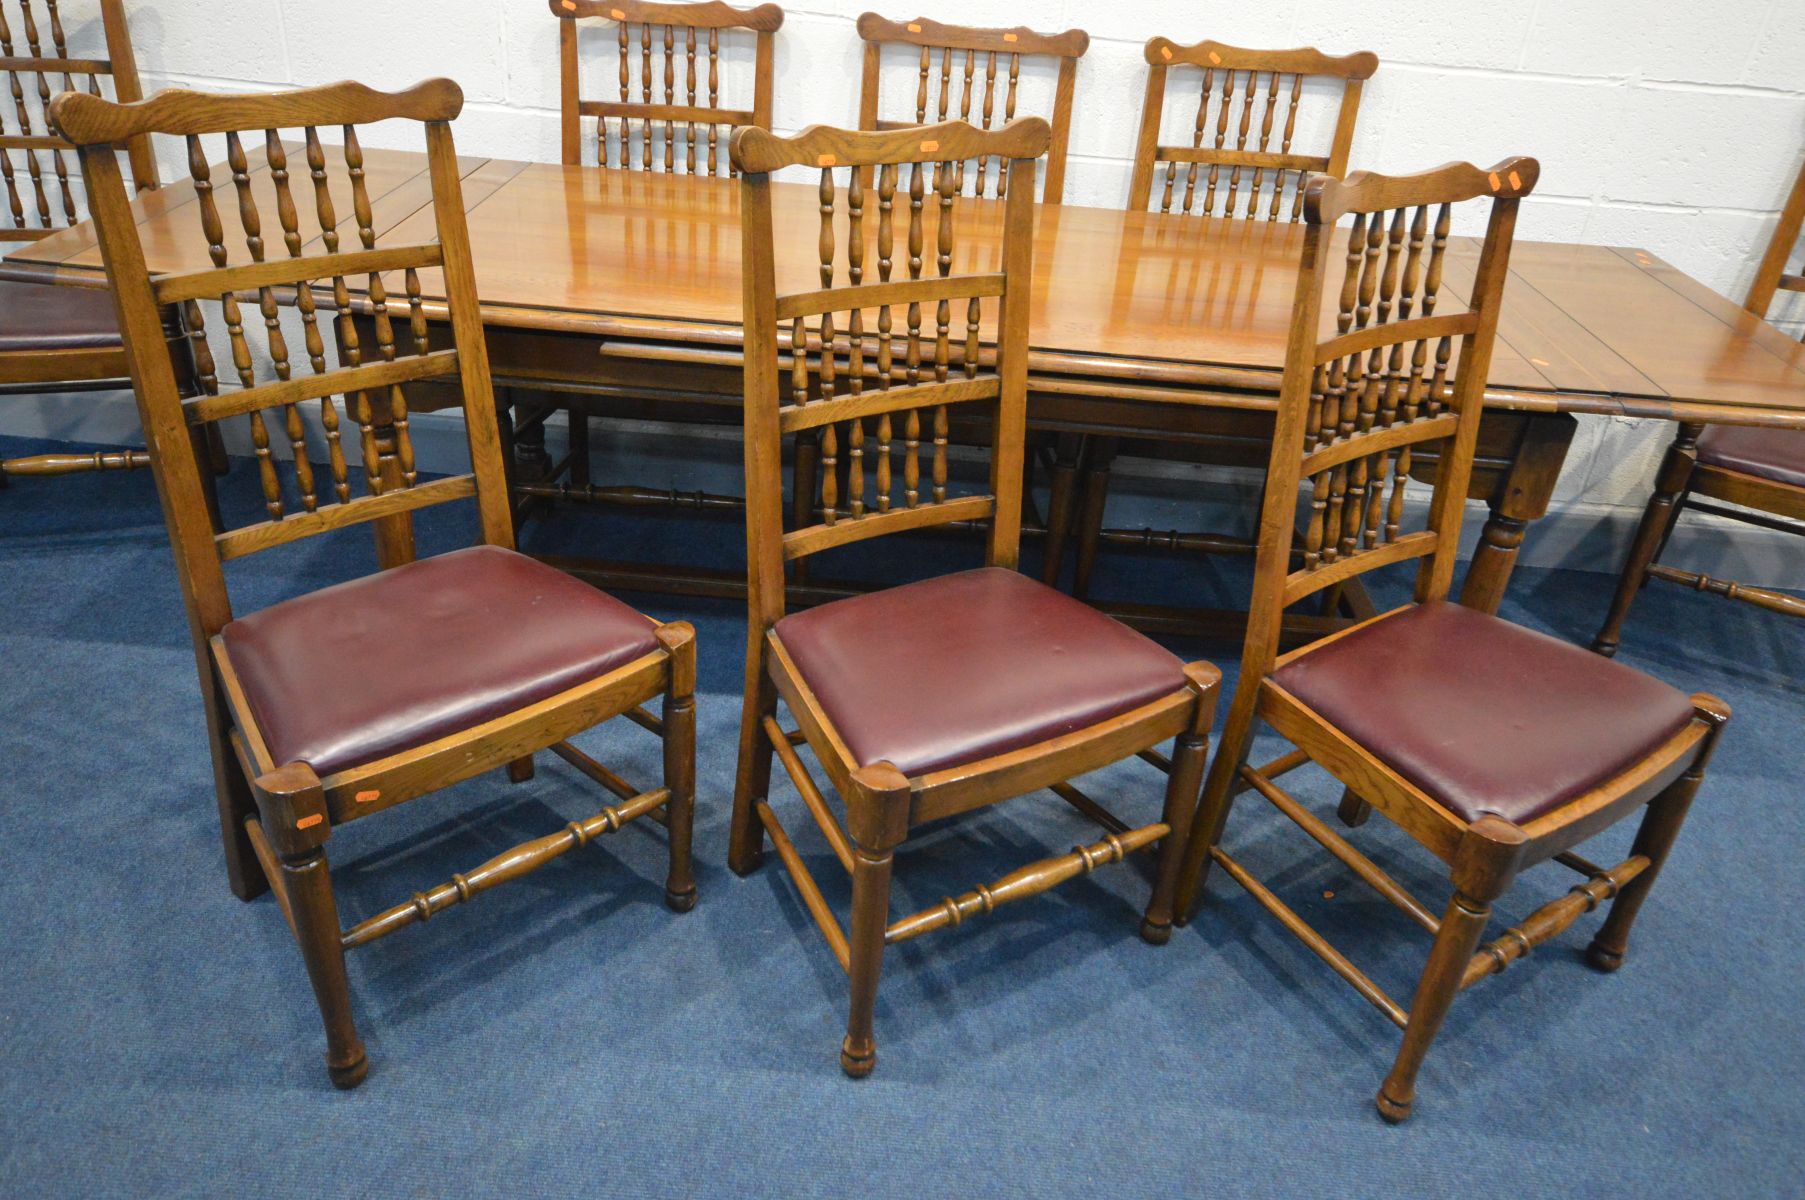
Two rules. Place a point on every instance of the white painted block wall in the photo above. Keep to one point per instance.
(1673, 127)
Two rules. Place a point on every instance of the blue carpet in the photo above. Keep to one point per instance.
(567, 1035)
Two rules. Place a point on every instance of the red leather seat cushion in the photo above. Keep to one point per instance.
(349, 674)
(1484, 715)
(1776, 454)
(42, 316)
(958, 668)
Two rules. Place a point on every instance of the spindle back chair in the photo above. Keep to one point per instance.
(1403, 372)
(1234, 83)
(41, 201)
(837, 358)
(44, 194)
(1762, 470)
(411, 730)
(678, 120)
(949, 50)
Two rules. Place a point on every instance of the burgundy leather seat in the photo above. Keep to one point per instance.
(41, 316)
(349, 674)
(1776, 454)
(958, 668)
(1484, 715)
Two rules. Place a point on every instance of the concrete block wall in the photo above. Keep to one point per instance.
(1676, 128)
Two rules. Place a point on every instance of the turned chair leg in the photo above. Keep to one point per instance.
(746, 837)
(1485, 863)
(1651, 535)
(1189, 753)
(1461, 928)
(1218, 798)
(1654, 839)
(315, 910)
(865, 941)
(291, 808)
(680, 762)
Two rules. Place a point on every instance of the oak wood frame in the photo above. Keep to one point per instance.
(1682, 477)
(86, 369)
(1484, 855)
(1068, 47)
(276, 817)
(881, 804)
(711, 16)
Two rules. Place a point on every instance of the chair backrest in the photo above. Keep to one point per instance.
(41, 195)
(678, 122)
(1402, 374)
(1771, 275)
(1234, 84)
(953, 51)
(858, 379)
(313, 269)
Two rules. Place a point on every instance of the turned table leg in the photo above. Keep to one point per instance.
(1520, 498)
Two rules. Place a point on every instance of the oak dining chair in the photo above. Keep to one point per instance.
(337, 704)
(679, 98)
(58, 339)
(959, 73)
(1013, 687)
(1493, 746)
(1239, 157)
(1761, 472)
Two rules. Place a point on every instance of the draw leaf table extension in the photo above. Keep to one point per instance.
(620, 292)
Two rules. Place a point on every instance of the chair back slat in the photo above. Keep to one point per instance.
(1771, 274)
(959, 72)
(38, 174)
(677, 121)
(1396, 379)
(294, 415)
(874, 383)
(1241, 161)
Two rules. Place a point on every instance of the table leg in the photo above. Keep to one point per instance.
(1671, 483)
(1093, 498)
(1062, 484)
(1520, 498)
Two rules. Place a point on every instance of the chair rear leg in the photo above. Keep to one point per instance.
(1654, 838)
(232, 791)
(1651, 535)
(746, 838)
(679, 639)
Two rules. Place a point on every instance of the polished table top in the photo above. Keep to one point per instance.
(1178, 302)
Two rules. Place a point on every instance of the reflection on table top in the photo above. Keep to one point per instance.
(1175, 300)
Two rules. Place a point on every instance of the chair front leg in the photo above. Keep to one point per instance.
(1484, 864)
(877, 819)
(1218, 798)
(1654, 839)
(292, 814)
(679, 640)
(1189, 753)
(746, 838)
(1671, 486)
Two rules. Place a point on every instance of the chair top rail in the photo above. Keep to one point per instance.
(710, 14)
(88, 120)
